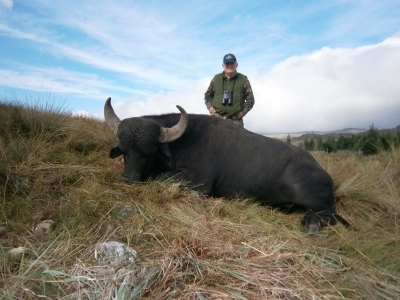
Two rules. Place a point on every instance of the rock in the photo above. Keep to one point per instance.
(17, 252)
(124, 211)
(44, 227)
(114, 253)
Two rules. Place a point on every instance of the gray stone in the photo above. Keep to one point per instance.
(114, 253)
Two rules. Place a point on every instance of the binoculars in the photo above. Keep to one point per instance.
(227, 98)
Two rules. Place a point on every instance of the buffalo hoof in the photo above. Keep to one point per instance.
(312, 228)
(311, 223)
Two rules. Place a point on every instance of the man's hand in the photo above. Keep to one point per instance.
(211, 110)
(240, 115)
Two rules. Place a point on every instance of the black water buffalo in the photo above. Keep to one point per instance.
(223, 160)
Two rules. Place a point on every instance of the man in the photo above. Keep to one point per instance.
(229, 95)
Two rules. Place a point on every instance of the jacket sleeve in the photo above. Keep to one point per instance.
(209, 95)
(249, 97)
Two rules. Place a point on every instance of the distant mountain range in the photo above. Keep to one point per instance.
(325, 134)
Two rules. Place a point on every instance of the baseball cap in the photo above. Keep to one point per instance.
(229, 58)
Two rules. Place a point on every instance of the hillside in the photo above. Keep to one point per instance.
(346, 132)
(63, 200)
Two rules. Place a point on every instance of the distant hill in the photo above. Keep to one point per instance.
(346, 132)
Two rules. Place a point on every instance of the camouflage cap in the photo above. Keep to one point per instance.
(229, 58)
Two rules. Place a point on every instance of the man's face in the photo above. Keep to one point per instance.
(230, 68)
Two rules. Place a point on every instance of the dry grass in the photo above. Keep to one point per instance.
(189, 246)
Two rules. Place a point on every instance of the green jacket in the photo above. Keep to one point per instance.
(235, 84)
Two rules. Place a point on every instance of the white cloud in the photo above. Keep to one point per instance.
(190, 97)
(330, 89)
(86, 114)
(7, 3)
(58, 81)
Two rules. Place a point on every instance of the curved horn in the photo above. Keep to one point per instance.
(111, 118)
(171, 134)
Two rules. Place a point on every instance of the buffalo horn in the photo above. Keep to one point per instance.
(111, 118)
(171, 134)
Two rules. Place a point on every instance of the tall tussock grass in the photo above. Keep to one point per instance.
(55, 167)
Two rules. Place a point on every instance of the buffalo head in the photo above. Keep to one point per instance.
(143, 142)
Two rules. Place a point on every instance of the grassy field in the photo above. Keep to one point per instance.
(55, 167)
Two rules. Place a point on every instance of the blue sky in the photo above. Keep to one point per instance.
(313, 65)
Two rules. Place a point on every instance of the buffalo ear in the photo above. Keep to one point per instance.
(165, 155)
(115, 152)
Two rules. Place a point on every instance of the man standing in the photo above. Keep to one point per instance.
(229, 94)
